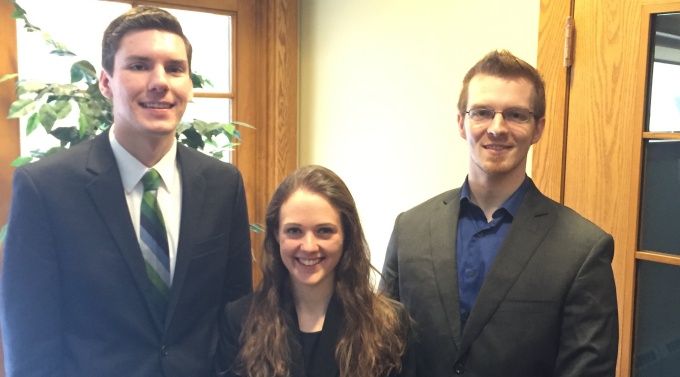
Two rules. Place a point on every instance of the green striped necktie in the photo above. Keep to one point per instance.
(154, 241)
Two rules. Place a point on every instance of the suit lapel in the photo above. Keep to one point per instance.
(533, 221)
(108, 195)
(443, 231)
(323, 358)
(193, 191)
(324, 363)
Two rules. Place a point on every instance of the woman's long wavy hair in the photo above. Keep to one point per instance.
(373, 338)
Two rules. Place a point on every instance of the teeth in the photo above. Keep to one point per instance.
(156, 105)
(309, 262)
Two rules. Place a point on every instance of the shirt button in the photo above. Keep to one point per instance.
(164, 351)
(470, 273)
(459, 368)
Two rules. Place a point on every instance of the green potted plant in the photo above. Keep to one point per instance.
(46, 105)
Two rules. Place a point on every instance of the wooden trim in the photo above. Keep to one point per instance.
(266, 99)
(653, 256)
(658, 135)
(548, 158)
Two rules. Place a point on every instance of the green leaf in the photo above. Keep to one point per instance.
(229, 128)
(21, 107)
(30, 86)
(84, 125)
(257, 228)
(32, 124)
(8, 76)
(64, 89)
(243, 124)
(62, 108)
(66, 134)
(47, 116)
(20, 161)
(83, 69)
(62, 52)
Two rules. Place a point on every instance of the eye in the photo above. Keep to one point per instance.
(175, 69)
(517, 115)
(292, 231)
(137, 67)
(326, 231)
(481, 114)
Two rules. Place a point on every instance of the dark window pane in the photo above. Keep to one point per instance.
(656, 350)
(660, 210)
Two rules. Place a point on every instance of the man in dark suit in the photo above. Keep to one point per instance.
(501, 280)
(104, 273)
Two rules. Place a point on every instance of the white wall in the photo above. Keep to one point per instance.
(379, 83)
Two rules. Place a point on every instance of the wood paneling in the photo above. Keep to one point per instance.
(547, 167)
(603, 133)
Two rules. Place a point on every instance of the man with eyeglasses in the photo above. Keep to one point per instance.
(501, 280)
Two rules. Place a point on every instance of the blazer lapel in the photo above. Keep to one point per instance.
(532, 222)
(323, 358)
(323, 362)
(443, 231)
(193, 191)
(108, 195)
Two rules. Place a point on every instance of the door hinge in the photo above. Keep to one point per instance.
(568, 42)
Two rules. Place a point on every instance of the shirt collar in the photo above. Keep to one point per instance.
(132, 171)
(511, 204)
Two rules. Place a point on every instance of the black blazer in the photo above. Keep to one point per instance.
(75, 295)
(547, 306)
(323, 361)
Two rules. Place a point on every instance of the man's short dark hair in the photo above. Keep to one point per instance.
(505, 65)
(138, 19)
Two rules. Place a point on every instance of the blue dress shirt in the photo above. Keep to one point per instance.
(478, 242)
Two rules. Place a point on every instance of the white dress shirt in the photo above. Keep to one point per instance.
(169, 194)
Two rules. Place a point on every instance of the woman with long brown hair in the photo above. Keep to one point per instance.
(315, 312)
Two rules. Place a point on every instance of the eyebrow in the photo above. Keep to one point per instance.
(144, 59)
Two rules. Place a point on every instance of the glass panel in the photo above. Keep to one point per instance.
(210, 37)
(664, 96)
(656, 350)
(660, 209)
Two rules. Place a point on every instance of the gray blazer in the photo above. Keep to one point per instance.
(547, 306)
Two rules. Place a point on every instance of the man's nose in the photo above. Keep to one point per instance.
(497, 125)
(158, 79)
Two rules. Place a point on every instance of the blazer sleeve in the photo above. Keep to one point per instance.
(408, 360)
(239, 273)
(389, 282)
(228, 346)
(30, 294)
(590, 329)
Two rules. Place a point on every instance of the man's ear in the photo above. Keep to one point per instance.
(461, 126)
(105, 84)
(538, 131)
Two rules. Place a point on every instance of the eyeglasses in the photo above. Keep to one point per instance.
(513, 115)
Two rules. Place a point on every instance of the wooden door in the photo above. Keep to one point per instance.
(591, 152)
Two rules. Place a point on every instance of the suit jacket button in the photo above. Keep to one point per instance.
(459, 368)
(164, 351)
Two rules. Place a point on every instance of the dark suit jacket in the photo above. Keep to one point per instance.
(546, 308)
(75, 295)
(323, 363)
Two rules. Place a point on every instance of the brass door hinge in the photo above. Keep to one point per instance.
(568, 42)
